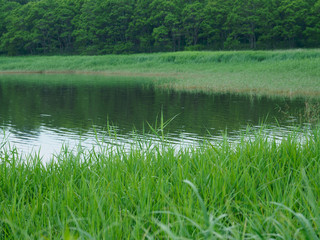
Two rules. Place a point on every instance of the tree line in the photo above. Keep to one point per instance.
(132, 26)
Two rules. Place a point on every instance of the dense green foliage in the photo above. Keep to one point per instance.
(126, 26)
(285, 73)
(258, 188)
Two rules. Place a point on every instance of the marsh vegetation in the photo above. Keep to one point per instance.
(258, 188)
(271, 73)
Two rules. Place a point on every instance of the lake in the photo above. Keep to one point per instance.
(45, 112)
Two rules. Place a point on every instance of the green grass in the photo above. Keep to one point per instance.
(285, 73)
(258, 188)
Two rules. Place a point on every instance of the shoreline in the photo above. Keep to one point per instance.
(103, 73)
(263, 73)
(175, 86)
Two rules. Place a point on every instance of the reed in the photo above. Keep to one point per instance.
(258, 188)
(285, 73)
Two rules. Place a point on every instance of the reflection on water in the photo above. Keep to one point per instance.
(45, 111)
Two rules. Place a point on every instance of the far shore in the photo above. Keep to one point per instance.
(290, 73)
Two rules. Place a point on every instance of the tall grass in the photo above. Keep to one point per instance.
(288, 73)
(104, 61)
(255, 189)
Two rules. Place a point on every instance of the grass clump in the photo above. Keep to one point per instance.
(255, 189)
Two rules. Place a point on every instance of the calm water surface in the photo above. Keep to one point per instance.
(44, 112)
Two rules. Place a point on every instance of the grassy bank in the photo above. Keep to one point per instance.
(256, 189)
(285, 73)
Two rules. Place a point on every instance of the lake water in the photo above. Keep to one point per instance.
(44, 112)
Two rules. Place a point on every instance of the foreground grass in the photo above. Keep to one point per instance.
(285, 73)
(255, 189)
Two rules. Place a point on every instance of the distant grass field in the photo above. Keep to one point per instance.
(259, 188)
(285, 73)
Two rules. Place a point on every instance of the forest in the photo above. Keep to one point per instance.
(90, 27)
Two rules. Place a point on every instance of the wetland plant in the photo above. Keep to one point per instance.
(258, 188)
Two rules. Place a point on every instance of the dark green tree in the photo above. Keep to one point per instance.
(215, 25)
(193, 18)
(312, 31)
(166, 24)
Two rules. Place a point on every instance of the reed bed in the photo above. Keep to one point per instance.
(282, 73)
(104, 62)
(258, 188)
